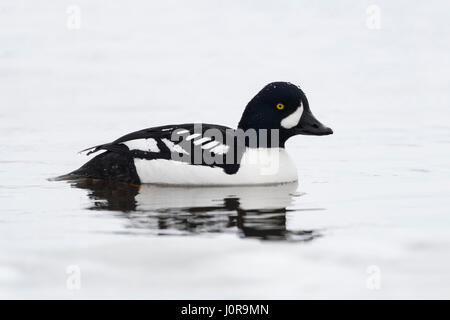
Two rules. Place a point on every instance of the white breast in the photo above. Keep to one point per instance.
(258, 167)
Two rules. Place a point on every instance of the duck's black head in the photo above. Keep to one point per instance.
(282, 106)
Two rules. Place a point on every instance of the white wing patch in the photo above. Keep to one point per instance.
(142, 144)
(201, 140)
(220, 149)
(193, 136)
(173, 147)
(210, 145)
(292, 120)
(151, 144)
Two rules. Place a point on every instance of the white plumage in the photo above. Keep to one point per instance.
(258, 167)
(148, 145)
(293, 119)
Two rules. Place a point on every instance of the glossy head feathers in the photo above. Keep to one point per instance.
(283, 106)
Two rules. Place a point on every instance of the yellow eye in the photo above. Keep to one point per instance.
(280, 106)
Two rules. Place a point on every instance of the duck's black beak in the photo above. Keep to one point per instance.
(309, 125)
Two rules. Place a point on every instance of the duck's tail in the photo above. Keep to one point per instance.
(107, 166)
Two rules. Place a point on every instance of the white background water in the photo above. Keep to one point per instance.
(375, 195)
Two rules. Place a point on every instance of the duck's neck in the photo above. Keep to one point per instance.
(261, 138)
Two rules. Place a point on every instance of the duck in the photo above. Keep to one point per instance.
(202, 154)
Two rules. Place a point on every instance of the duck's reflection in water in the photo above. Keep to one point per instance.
(251, 211)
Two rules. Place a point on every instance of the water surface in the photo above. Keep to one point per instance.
(369, 217)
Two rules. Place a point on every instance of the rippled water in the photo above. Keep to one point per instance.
(369, 217)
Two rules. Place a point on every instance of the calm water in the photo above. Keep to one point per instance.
(369, 217)
(250, 212)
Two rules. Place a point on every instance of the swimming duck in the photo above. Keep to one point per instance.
(209, 154)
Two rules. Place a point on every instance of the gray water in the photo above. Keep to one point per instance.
(369, 217)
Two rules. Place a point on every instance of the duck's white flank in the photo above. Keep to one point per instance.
(258, 167)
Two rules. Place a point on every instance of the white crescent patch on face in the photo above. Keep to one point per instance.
(293, 119)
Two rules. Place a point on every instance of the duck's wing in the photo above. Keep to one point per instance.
(194, 143)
